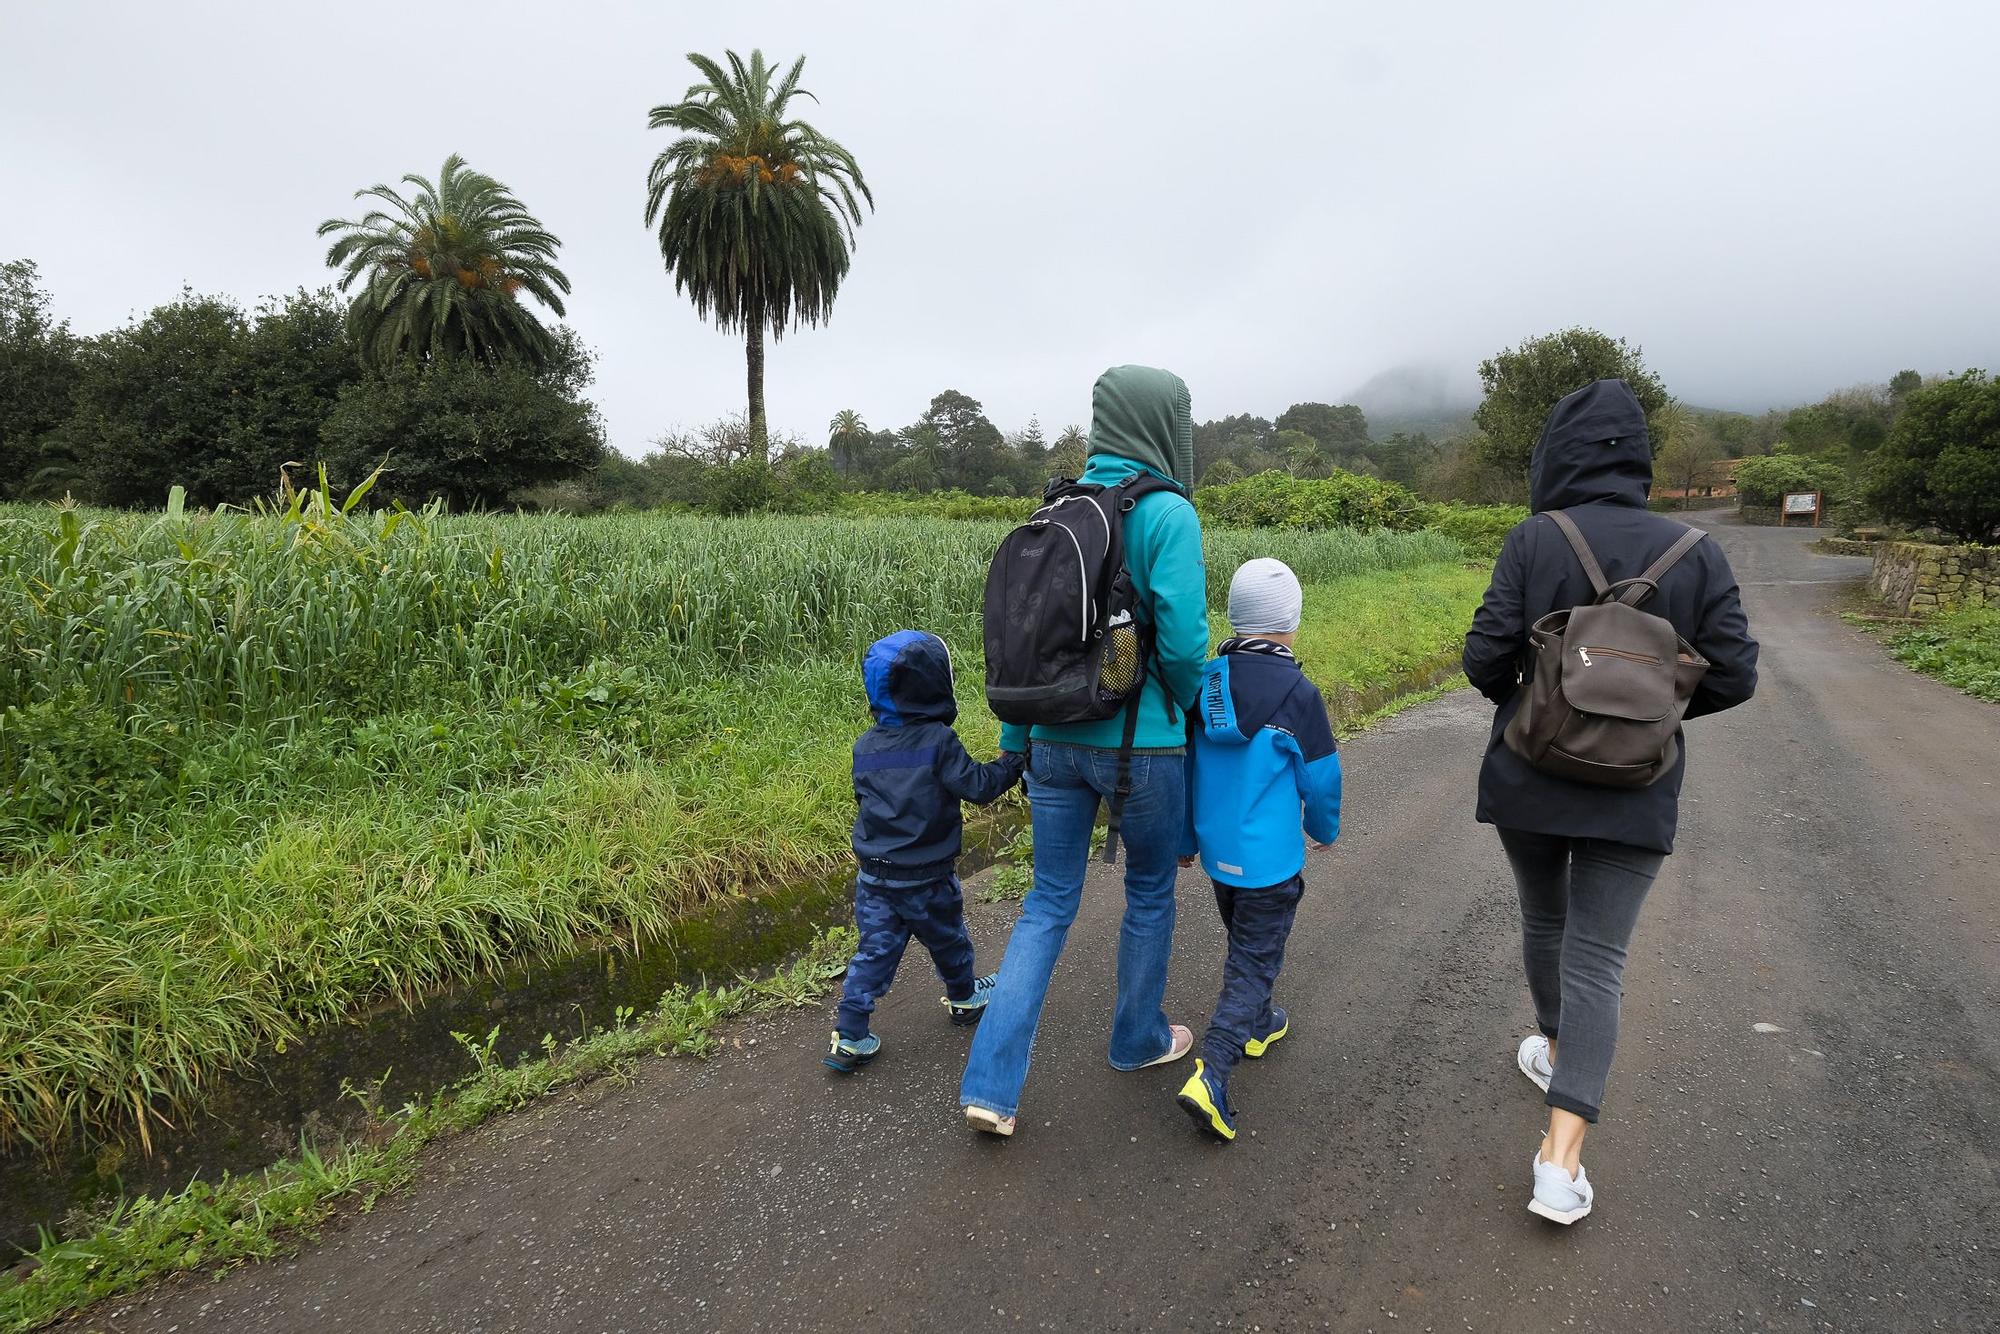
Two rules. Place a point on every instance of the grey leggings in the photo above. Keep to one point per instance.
(1580, 899)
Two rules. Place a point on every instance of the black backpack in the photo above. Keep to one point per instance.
(1064, 642)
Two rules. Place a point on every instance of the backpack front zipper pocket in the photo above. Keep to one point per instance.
(1647, 658)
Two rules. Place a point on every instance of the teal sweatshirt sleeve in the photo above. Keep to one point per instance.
(1164, 553)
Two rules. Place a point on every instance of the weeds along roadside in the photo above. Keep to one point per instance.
(264, 769)
(212, 1225)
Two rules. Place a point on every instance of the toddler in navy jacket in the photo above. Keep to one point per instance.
(910, 774)
(1263, 777)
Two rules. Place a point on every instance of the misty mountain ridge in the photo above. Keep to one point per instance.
(1418, 397)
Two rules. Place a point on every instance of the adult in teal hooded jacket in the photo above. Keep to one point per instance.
(1140, 421)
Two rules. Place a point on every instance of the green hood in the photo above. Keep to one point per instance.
(1143, 414)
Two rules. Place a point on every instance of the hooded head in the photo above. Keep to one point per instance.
(1595, 447)
(1143, 414)
(908, 676)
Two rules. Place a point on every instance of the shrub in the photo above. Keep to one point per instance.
(1343, 500)
(1480, 529)
(1764, 481)
(1940, 466)
(69, 763)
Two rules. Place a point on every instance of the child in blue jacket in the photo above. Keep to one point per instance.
(1264, 777)
(910, 773)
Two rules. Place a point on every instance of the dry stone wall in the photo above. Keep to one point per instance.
(1919, 577)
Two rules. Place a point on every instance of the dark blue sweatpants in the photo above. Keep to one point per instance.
(1259, 922)
(887, 916)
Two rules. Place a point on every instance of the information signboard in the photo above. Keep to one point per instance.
(1801, 503)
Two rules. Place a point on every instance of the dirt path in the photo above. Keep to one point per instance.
(1839, 878)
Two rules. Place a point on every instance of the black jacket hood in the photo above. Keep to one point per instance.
(1594, 448)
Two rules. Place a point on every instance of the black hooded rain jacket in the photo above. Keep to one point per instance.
(1595, 460)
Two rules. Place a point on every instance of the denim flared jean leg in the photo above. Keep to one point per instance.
(1065, 786)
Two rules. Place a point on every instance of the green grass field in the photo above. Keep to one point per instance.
(262, 770)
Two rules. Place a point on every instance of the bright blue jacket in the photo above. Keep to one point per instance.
(910, 769)
(1163, 552)
(1263, 771)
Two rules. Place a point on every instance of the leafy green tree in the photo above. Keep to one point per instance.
(1341, 431)
(1404, 457)
(442, 272)
(153, 401)
(1221, 473)
(1903, 383)
(39, 370)
(1237, 438)
(973, 454)
(1940, 466)
(1524, 383)
(476, 435)
(293, 360)
(1687, 462)
(1031, 459)
(847, 436)
(755, 212)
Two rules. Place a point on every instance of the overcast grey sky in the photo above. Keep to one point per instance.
(1275, 201)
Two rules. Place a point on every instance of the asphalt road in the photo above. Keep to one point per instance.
(1839, 878)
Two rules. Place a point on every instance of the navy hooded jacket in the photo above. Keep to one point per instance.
(1595, 460)
(1263, 771)
(910, 770)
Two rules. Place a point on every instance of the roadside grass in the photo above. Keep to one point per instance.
(1371, 639)
(1961, 649)
(262, 770)
(214, 1225)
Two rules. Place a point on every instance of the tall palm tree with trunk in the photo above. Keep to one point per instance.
(443, 271)
(845, 435)
(755, 212)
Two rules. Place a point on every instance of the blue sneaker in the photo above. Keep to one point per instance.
(1207, 1104)
(1281, 1024)
(966, 1013)
(849, 1054)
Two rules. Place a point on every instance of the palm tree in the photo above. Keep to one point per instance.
(844, 434)
(1067, 455)
(443, 271)
(756, 213)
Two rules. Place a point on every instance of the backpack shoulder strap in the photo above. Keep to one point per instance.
(1649, 581)
(1598, 583)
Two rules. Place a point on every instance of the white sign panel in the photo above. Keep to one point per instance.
(1801, 503)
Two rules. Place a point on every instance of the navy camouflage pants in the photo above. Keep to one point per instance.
(887, 916)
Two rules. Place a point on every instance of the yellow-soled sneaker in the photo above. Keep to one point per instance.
(1207, 1104)
(1281, 1024)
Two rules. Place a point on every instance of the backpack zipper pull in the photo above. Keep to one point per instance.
(1583, 653)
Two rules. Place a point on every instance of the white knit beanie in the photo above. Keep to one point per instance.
(1264, 598)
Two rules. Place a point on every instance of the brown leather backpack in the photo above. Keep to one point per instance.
(1609, 682)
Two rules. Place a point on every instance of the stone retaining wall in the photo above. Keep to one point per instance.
(1918, 577)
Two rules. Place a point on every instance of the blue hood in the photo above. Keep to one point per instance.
(909, 679)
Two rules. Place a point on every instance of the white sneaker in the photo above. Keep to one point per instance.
(1533, 1058)
(988, 1120)
(1559, 1197)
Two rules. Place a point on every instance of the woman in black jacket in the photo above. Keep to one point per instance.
(1584, 856)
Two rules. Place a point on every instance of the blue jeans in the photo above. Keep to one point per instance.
(887, 916)
(1259, 923)
(1065, 785)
